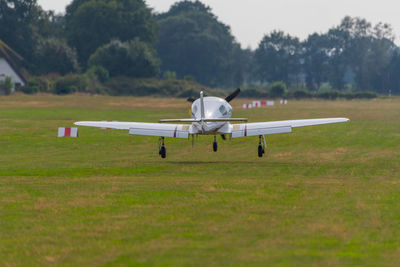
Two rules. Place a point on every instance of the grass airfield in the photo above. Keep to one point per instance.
(325, 195)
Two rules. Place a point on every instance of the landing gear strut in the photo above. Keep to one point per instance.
(261, 146)
(162, 151)
(215, 144)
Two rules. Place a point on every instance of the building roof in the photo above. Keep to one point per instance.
(15, 61)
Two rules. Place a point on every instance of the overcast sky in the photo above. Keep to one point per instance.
(250, 20)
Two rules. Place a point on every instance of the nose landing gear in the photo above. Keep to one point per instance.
(262, 145)
(162, 151)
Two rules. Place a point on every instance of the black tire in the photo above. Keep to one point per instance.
(260, 151)
(163, 152)
(215, 146)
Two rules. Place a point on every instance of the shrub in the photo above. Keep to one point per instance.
(367, 95)
(146, 87)
(277, 89)
(170, 75)
(300, 94)
(189, 78)
(37, 85)
(136, 87)
(99, 73)
(72, 83)
(347, 96)
(188, 93)
(30, 88)
(251, 93)
(6, 85)
(329, 95)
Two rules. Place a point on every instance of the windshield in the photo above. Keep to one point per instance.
(223, 110)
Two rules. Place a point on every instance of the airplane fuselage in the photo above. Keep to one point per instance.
(214, 108)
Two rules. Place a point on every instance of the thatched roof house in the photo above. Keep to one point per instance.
(11, 66)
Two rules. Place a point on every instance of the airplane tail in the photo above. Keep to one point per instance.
(202, 105)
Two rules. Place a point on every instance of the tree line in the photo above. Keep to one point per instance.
(107, 39)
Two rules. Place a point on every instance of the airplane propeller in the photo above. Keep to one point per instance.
(233, 95)
(227, 99)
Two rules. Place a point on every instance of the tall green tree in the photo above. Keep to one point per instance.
(16, 20)
(391, 75)
(316, 60)
(93, 23)
(338, 57)
(362, 48)
(278, 58)
(53, 55)
(134, 59)
(50, 25)
(192, 42)
(26, 28)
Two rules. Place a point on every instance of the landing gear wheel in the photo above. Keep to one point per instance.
(261, 146)
(215, 144)
(163, 152)
(261, 151)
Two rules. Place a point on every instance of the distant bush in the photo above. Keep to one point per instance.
(128, 86)
(330, 95)
(277, 89)
(252, 93)
(299, 94)
(86, 83)
(367, 95)
(6, 85)
(72, 83)
(40, 84)
(90, 82)
(188, 93)
(30, 88)
(99, 73)
(148, 87)
(189, 78)
(170, 75)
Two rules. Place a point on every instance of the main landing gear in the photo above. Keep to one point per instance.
(262, 145)
(215, 144)
(162, 151)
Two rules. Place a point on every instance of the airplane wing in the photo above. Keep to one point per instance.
(141, 128)
(275, 127)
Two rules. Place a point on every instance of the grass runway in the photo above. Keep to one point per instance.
(323, 195)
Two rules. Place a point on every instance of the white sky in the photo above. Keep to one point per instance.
(250, 20)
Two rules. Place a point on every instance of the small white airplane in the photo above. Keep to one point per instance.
(210, 116)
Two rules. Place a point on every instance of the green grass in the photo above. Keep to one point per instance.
(325, 195)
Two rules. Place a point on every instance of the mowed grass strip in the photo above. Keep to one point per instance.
(325, 195)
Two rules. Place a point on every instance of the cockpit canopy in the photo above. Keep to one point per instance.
(214, 107)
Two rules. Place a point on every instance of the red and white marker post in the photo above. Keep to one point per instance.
(68, 132)
(247, 106)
